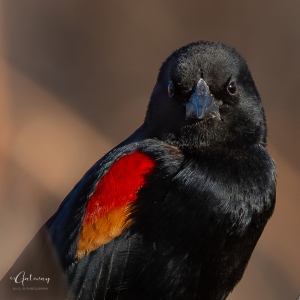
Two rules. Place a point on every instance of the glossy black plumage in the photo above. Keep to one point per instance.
(197, 219)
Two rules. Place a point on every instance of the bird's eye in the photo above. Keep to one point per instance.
(231, 88)
(170, 89)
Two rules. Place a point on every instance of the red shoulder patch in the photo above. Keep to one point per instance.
(107, 209)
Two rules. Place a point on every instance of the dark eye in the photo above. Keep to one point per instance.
(170, 89)
(231, 88)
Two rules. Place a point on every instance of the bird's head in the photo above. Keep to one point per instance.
(205, 97)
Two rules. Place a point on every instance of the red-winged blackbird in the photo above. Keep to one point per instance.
(174, 211)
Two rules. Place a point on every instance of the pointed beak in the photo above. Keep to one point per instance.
(202, 104)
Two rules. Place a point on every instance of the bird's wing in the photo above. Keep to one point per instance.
(110, 250)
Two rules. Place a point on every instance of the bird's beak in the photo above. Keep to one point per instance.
(202, 105)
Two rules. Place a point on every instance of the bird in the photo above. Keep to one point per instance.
(176, 209)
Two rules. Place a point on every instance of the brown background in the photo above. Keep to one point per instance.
(75, 79)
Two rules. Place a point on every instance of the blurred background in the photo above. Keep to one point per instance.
(75, 80)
